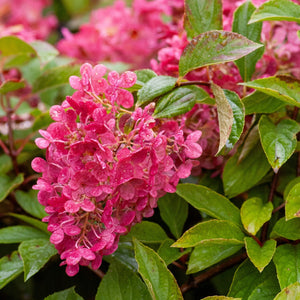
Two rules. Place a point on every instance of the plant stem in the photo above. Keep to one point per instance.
(264, 230)
(178, 84)
(98, 272)
(213, 271)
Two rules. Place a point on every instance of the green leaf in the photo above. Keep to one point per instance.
(75, 7)
(35, 254)
(174, 212)
(282, 87)
(214, 47)
(279, 141)
(209, 253)
(124, 255)
(274, 10)
(210, 202)
(15, 51)
(155, 87)
(212, 230)
(28, 201)
(11, 85)
(144, 75)
(32, 221)
(253, 167)
(121, 283)
(202, 16)
(169, 254)
(20, 233)
(255, 213)
(55, 77)
(220, 298)
(287, 263)
(147, 232)
(68, 294)
(230, 115)
(287, 229)
(260, 256)
(175, 103)
(45, 51)
(5, 164)
(180, 101)
(159, 280)
(11, 266)
(258, 102)
(291, 292)
(267, 290)
(8, 184)
(43, 120)
(246, 64)
(247, 279)
(289, 186)
(292, 206)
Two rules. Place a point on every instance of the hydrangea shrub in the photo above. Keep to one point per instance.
(151, 152)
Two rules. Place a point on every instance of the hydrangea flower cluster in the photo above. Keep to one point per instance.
(106, 165)
(25, 19)
(119, 33)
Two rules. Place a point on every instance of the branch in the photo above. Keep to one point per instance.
(98, 272)
(213, 271)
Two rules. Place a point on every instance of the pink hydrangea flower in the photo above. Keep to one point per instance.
(107, 163)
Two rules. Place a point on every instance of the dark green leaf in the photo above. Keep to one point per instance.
(258, 102)
(147, 232)
(209, 253)
(28, 201)
(210, 202)
(32, 221)
(253, 167)
(120, 283)
(68, 294)
(202, 16)
(254, 213)
(45, 51)
(287, 229)
(174, 211)
(20, 233)
(11, 85)
(279, 141)
(55, 77)
(155, 87)
(246, 64)
(159, 280)
(287, 263)
(180, 101)
(250, 143)
(291, 292)
(292, 206)
(212, 230)
(274, 10)
(267, 290)
(169, 254)
(11, 266)
(247, 279)
(284, 88)
(214, 47)
(35, 254)
(260, 256)
(8, 184)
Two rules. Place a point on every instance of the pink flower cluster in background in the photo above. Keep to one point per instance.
(25, 19)
(106, 165)
(119, 33)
